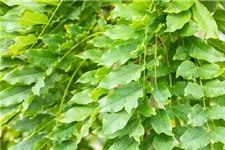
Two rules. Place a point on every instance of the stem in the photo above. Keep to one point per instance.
(155, 55)
(67, 87)
(145, 55)
(167, 60)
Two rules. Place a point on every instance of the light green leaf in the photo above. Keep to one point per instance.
(142, 5)
(7, 62)
(62, 133)
(207, 23)
(214, 88)
(88, 77)
(218, 134)
(14, 95)
(93, 54)
(163, 142)
(8, 112)
(102, 41)
(161, 93)
(181, 54)
(127, 12)
(197, 116)
(216, 112)
(189, 29)
(21, 41)
(68, 145)
(161, 122)
(121, 76)
(76, 114)
(123, 32)
(24, 75)
(210, 71)
(125, 143)
(197, 48)
(52, 2)
(102, 72)
(82, 97)
(37, 87)
(187, 70)
(33, 18)
(145, 109)
(27, 144)
(218, 44)
(194, 89)
(126, 96)
(181, 19)
(110, 57)
(177, 6)
(194, 138)
(41, 57)
(114, 122)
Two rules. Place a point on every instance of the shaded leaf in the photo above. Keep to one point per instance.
(125, 143)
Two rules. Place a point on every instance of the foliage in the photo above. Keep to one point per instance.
(114, 75)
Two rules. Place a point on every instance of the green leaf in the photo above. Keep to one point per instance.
(145, 109)
(7, 62)
(161, 122)
(210, 71)
(52, 2)
(126, 96)
(181, 54)
(189, 29)
(33, 18)
(177, 6)
(161, 93)
(123, 32)
(121, 76)
(114, 122)
(194, 138)
(195, 90)
(216, 112)
(124, 51)
(88, 77)
(207, 23)
(214, 88)
(68, 145)
(218, 134)
(181, 19)
(14, 95)
(219, 44)
(82, 97)
(197, 48)
(93, 54)
(62, 133)
(41, 57)
(8, 112)
(163, 142)
(142, 5)
(127, 12)
(24, 75)
(53, 41)
(125, 143)
(21, 41)
(137, 131)
(147, 143)
(181, 111)
(102, 41)
(27, 144)
(76, 114)
(197, 116)
(187, 70)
